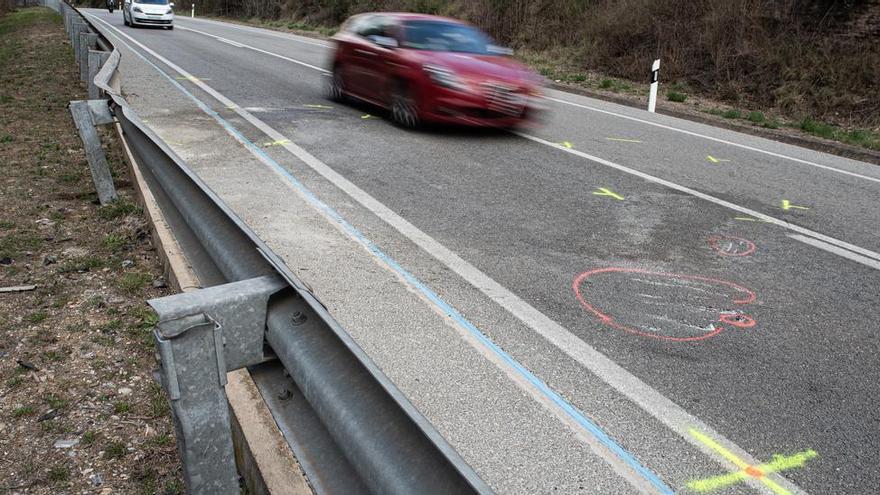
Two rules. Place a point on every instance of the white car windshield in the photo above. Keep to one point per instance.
(152, 2)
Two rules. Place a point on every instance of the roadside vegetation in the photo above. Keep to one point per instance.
(79, 410)
(810, 66)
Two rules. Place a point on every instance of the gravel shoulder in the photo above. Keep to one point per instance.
(79, 409)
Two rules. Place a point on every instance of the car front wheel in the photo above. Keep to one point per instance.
(335, 88)
(403, 107)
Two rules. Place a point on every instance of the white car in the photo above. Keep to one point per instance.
(148, 13)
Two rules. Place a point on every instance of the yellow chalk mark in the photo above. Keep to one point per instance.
(623, 140)
(366, 116)
(604, 191)
(566, 144)
(779, 463)
(325, 107)
(280, 142)
(786, 205)
(715, 160)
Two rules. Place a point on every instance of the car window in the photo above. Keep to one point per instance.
(439, 36)
(152, 2)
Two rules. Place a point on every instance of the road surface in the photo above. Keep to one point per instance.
(690, 301)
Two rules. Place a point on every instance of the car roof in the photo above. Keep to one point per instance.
(412, 16)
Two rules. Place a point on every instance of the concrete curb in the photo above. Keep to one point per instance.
(263, 456)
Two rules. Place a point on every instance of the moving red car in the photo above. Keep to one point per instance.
(426, 68)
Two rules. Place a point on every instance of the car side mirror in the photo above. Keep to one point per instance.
(171, 4)
(384, 41)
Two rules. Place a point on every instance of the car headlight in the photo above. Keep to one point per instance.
(170, 11)
(445, 77)
(138, 9)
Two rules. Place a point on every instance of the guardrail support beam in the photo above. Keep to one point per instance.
(85, 123)
(200, 336)
(87, 41)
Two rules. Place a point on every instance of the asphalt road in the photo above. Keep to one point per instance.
(735, 276)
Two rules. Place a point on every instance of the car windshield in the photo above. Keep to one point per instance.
(439, 36)
(152, 2)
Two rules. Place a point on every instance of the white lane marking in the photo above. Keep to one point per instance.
(717, 140)
(282, 57)
(586, 107)
(637, 391)
(268, 32)
(224, 40)
(707, 197)
(875, 264)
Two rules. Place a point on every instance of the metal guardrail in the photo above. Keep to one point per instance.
(255, 309)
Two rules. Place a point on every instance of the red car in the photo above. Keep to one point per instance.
(425, 68)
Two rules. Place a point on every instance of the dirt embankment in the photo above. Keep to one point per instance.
(79, 410)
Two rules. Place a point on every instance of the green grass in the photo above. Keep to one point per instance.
(133, 282)
(121, 407)
(732, 114)
(85, 264)
(59, 474)
(15, 244)
(56, 402)
(118, 208)
(756, 117)
(676, 96)
(115, 242)
(115, 450)
(22, 411)
(22, 18)
(88, 438)
(817, 128)
(6, 224)
(36, 317)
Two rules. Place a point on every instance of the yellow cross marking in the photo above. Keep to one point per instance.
(786, 205)
(604, 191)
(759, 472)
(715, 160)
(566, 144)
(280, 142)
(622, 140)
(318, 106)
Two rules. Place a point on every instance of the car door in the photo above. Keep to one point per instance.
(368, 58)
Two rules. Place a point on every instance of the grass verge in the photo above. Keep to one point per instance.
(75, 353)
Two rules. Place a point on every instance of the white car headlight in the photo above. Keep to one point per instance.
(137, 9)
(170, 11)
(445, 77)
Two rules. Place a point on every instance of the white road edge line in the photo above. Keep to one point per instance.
(282, 57)
(717, 140)
(224, 40)
(875, 264)
(268, 32)
(566, 102)
(640, 393)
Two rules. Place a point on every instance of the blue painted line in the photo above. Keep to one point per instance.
(539, 384)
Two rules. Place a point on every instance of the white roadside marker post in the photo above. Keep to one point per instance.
(193, 13)
(655, 76)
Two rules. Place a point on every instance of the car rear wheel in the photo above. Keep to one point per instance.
(403, 107)
(335, 88)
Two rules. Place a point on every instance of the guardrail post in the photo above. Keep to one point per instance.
(200, 336)
(97, 60)
(87, 41)
(85, 124)
(79, 26)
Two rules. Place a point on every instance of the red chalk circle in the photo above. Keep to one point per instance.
(733, 319)
(728, 245)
